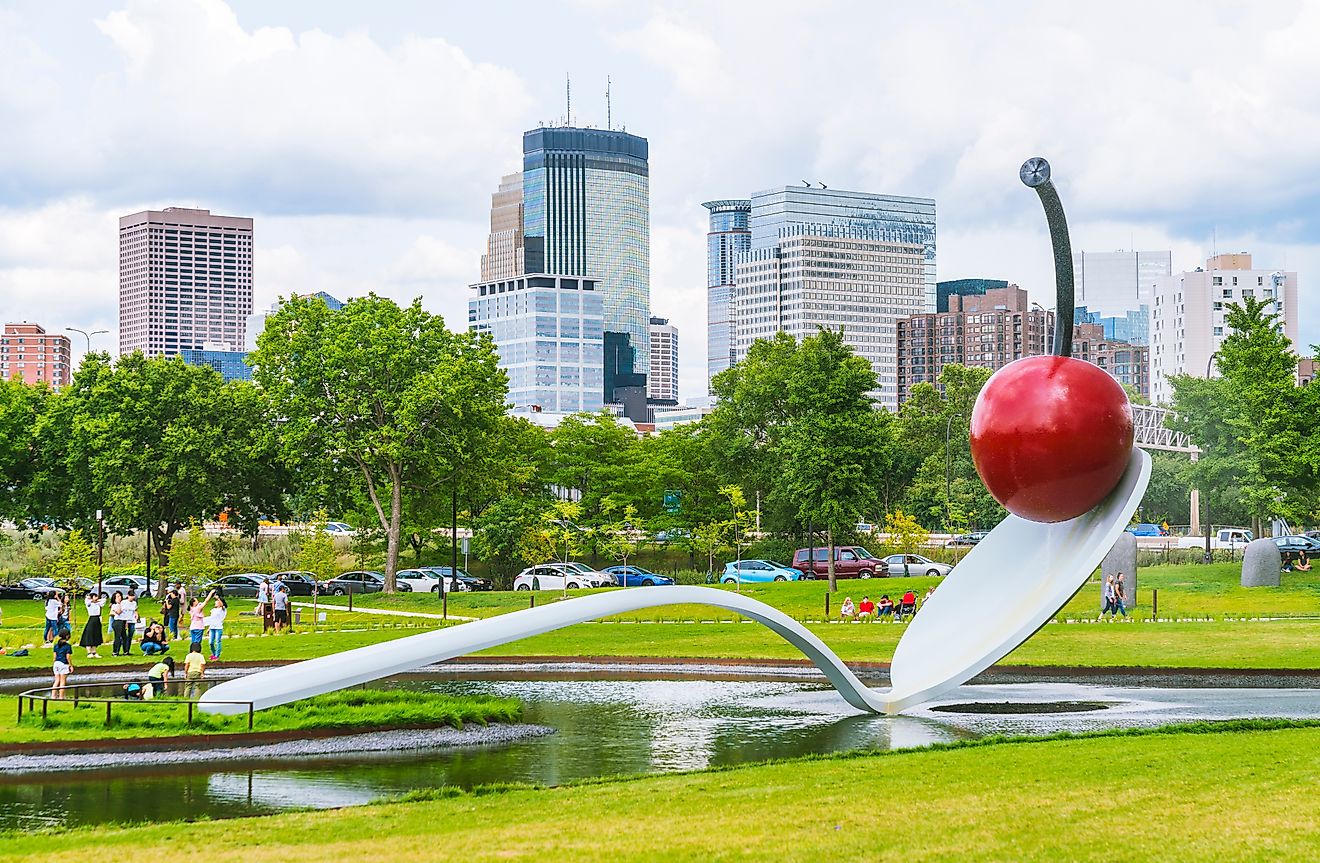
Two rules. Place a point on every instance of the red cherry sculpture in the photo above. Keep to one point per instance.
(1051, 436)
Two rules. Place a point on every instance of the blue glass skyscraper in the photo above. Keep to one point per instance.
(586, 213)
(729, 237)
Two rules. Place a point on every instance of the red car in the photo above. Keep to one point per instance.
(850, 561)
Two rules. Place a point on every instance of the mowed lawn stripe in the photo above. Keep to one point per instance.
(1241, 795)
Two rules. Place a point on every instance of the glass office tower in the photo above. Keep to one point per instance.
(586, 213)
(728, 238)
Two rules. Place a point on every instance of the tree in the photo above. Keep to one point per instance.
(708, 538)
(835, 443)
(906, 534)
(20, 407)
(77, 559)
(1256, 428)
(501, 535)
(316, 550)
(191, 556)
(739, 525)
(155, 444)
(384, 391)
(621, 537)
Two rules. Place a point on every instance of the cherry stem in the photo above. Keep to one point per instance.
(1035, 173)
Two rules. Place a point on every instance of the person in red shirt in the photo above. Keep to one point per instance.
(866, 609)
(886, 606)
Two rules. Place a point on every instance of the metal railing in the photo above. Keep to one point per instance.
(46, 695)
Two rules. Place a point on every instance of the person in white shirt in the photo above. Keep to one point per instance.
(280, 600)
(128, 615)
(215, 622)
(54, 607)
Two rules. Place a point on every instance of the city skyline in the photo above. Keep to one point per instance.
(345, 209)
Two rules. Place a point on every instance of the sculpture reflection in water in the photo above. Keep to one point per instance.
(1007, 587)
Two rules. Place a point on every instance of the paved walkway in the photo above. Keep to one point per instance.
(388, 612)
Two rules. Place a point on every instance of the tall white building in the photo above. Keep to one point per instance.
(1187, 314)
(185, 281)
(662, 384)
(1115, 283)
(827, 258)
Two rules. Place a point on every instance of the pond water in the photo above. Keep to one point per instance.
(605, 727)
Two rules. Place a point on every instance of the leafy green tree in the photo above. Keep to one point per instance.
(316, 550)
(156, 444)
(1256, 428)
(76, 559)
(906, 534)
(191, 557)
(738, 527)
(501, 535)
(621, 537)
(20, 407)
(384, 391)
(707, 539)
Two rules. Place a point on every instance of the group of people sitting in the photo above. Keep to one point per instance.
(868, 610)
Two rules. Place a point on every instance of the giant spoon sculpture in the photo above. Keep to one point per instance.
(1051, 437)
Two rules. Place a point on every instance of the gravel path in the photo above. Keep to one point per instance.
(384, 741)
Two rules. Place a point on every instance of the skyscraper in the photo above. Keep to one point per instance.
(1115, 283)
(729, 238)
(662, 383)
(583, 203)
(185, 280)
(1187, 314)
(850, 261)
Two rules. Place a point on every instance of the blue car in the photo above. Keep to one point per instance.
(756, 571)
(635, 576)
(1146, 530)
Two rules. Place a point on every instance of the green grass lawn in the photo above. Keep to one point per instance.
(1237, 793)
(356, 709)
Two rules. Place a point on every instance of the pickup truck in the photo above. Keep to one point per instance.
(1224, 537)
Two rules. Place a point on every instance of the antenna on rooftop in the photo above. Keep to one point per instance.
(568, 98)
(609, 120)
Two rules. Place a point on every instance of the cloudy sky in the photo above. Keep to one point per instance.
(365, 139)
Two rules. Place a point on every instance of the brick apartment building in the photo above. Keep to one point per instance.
(29, 354)
(994, 328)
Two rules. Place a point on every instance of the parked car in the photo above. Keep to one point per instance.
(465, 580)
(850, 561)
(554, 576)
(1146, 530)
(672, 534)
(635, 576)
(124, 582)
(605, 578)
(757, 572)
(244, 585)
(31, 588)
(915, 564)
(967, 538)
(358, 581)
(1291, 547)
(338, 528)
(1224, 537)
(297, 582)
(422, 580)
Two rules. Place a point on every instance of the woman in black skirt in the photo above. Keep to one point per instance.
(93, 636)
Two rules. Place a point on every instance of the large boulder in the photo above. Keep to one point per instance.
(1261, 564)
(1122, 558)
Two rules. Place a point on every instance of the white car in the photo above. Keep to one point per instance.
(915, 565)
(423, 581)
(557, 576)
(338, 528)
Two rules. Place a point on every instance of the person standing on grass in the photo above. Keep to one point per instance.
(63, 664)
(263, 602)
(52, 630)
(1119, 597)
(170, 609)
(196, 621)
(194, 667)
(130, 617)
(117, 622)
(1107, 597)
(216, 623)
(92, 635)
(280, 601)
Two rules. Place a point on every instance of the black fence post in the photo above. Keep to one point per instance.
(108, 705)
(827, 605)
(1155, 604)
(190, 712)
(20, 709)
(249, 716)
(44, 702)
(533, 605)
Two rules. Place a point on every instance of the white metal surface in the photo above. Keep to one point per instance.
(1003, 591)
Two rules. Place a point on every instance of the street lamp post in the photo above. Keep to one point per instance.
(1209, 556)
(87, 335)
(100, 550)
